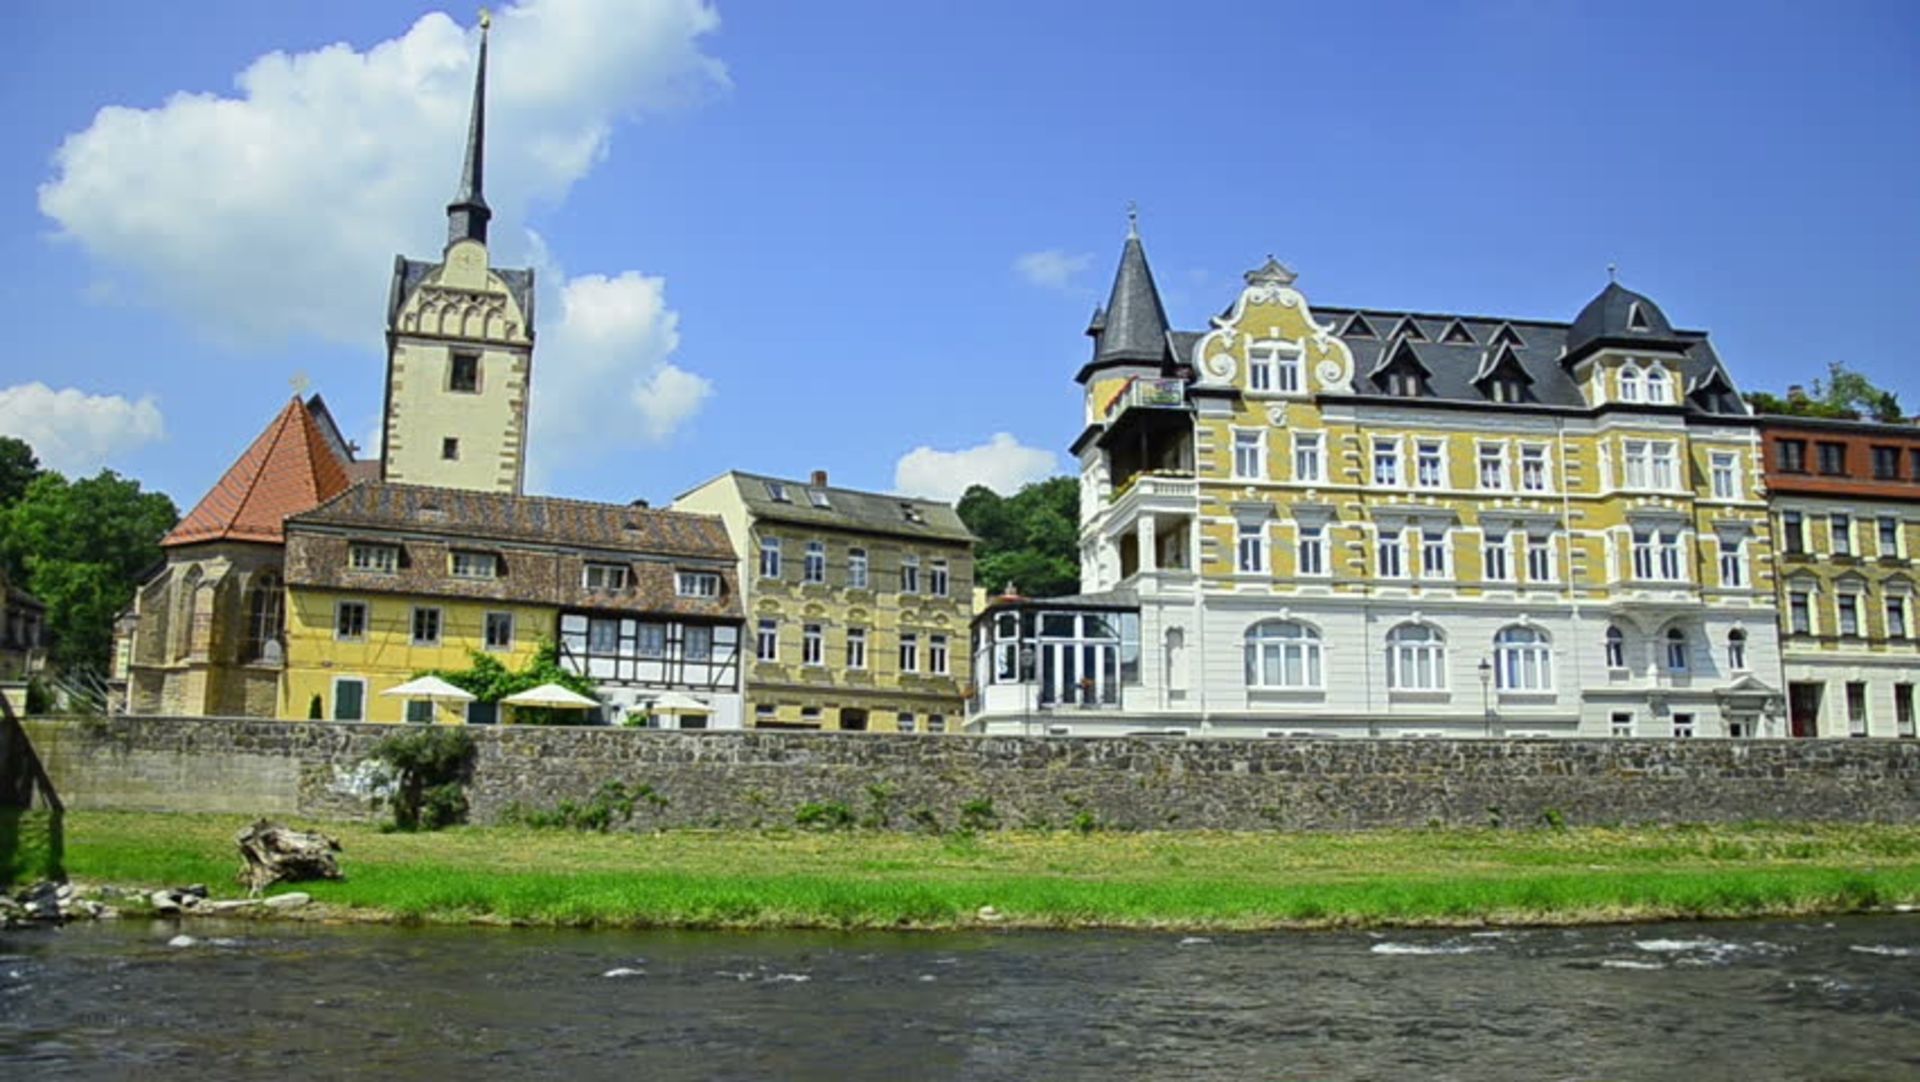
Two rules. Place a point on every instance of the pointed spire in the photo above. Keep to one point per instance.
(468, 214)
(1136, 324)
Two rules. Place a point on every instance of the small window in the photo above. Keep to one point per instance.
(697, 584)
(450, 449)
(769, 557)
(426, 626)
(777, 492)
(813, 645)
(350, 621)
(767, 642)
(906, 723)
(1856, 709)
(937, 654)
(599, 576)
(1896, 617)
(937, 578)
(464, 375)
(1636, 319)
(911, 513)
(1792, 456)
(499, 631)
(1737, 650)
(474, 565)
(420, 711)
(856, 648)
(1886, 463)
(818, 498)
(1676, 650)
(910, 574)
(1621, 724)
(1833, 457)
(857, 569)
(909, 652)
(1800, 612)
(381, 558)
(1903, 710)
(1683, 726)
(1616, 649)
(349, 698)
(814, 567)
(698, 644)
(1889, 537)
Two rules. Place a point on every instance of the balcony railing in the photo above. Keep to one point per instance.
(1143, 393)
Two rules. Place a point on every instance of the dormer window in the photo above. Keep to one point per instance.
(1410, 331)
(1636, 319)
(777, 492)
(1506, 336)
(384, 559)
(1506, 389)
(1358, 327)
(1406, 383)
(911, 513)
(1659, 387)
(1457, 334)
(697, 584)
(474, 565)
(603, 576)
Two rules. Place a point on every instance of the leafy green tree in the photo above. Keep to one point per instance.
(490, 681)
(18, 467)
(1844, 394)
(1029, 539)
(81, 547)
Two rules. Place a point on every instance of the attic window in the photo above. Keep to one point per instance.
(1506, 389)
(369, 557)
(911, 513)
(1411, 331)
(1507, 336)
(697, 584)
(473, 565)
(1358, 327)
(777, 492)
(600, 576)
(818, 498)
(1457, 334)
(1636, 319)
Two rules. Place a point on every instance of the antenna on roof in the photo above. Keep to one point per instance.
(1133, 220)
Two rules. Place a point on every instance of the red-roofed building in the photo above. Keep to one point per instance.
(207, 636)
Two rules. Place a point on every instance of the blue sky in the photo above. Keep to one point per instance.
(781, 237)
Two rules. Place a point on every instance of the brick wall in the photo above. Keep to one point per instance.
(751, 778)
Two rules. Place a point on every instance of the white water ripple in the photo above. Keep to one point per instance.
(1429, 949)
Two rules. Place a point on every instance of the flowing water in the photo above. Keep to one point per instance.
(1748, 1001)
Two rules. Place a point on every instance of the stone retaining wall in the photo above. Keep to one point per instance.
(761, 778)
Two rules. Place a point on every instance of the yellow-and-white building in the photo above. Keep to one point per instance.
(1380, 522)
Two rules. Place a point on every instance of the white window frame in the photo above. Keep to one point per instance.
(1416, 658)
(609, 576)
(1311, 554)
(938, 656)
(857, 648)
(909, 653)
(813, 566)
(1522, 659)
(1436, 554)
(1723, 467)
(1614, 642)
(1840, 533)
(910, 574)
(857, 569)
(1386, 462)
(1629, 382)
(1496, 554)
(1636, 463)
(937, 584)
(1620, 724)
(770, 558)
(1390, 554)
(375, 558)
(1733, 562)
(1846, 613)
(1676, 651)
(1542, 564)
(1309, 457)
(1250, 547)
(813, 645)
(1899, 550)
(487, 626)
(439, 626)
(1266, 646)
(366, 620)
(1896, 616)
(1249, 454)
(1492, 454)
(1662, 466)
(1536, 468)
(766, 641)
(469, 564)
(1659, 386)
(1800, 602)
(1436, 477)
(696, 583)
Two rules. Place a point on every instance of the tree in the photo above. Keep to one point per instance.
(490, 681)
(1845, 395)
(1029, 539)
(18, 468)
(81, 548)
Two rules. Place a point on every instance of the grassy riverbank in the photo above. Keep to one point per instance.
(1055, 880)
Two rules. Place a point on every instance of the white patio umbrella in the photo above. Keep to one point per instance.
(678, 704)
(552, 696)
(431, 688)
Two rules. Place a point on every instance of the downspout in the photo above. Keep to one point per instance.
(1573, 590)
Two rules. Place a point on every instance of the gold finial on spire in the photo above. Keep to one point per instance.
(486, 18)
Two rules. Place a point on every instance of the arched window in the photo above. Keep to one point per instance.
(1616, 648)
(1522, 660)
(1737, 650)
(1629, 384)
(1657, 386)
(1283, 654)
(1416, 658)
(1676, 650)
(266, 615)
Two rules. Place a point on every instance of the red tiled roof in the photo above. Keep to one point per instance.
(290, 468)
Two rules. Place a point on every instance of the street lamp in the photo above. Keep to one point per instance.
(1486, 688)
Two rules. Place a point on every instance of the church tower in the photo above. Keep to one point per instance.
(460, 347)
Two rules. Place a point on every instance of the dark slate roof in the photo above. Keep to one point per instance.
(409, 273)
(852, 509)
(540, 520)
(1135, 328)
(1619, 315)
(1452, 368)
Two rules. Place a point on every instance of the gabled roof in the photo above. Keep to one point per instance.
(1493, 360)
(850, 509)
(291, 467)
(545, 520)
(1399, 352)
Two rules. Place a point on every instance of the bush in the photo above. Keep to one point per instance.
(830, 815)
(612, 803)
(431, 765)
(978, 814)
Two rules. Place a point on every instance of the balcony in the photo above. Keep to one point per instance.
(1162, 492)
(1143, 393)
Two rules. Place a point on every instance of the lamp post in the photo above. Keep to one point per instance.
(1486, 690)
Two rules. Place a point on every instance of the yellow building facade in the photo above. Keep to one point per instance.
(857, 603)
(1379, 522)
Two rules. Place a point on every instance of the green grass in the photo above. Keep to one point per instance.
(1170, 880)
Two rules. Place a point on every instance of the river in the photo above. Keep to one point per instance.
(1762, 1000)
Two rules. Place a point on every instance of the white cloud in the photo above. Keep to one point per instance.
(278, 211)
(75, 432)
(1053, 268)
(601, 377)
(1002, 464)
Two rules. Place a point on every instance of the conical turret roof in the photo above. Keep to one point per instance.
(1135, 328)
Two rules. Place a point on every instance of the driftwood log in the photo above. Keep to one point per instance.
(270, 853)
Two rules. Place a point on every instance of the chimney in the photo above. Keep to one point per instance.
(819, 479)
